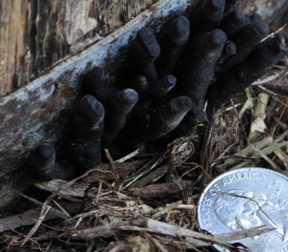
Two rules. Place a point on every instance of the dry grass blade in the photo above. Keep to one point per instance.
(45, 208)
(281, 137)
(146, 225)
(157, 244)
(273, 33)
(269, 78)
(107, 153)
(283, 157)
(25, 219)
(127, 157)
(167, 209)
(53, 211)
(152, 176)
(34, 229)
(76, 190)
(160, 190)
(264, 155)
(144, 170)
(238, 235)
(247, 151)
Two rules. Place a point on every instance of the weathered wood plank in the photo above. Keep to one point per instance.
(36, 34)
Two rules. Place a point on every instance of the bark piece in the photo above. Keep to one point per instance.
(36, 35)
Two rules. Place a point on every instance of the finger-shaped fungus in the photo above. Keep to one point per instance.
(246, 38)
(85, 132)
(206, 17)
(261, 59)
(143, 52)
(196, 68)
(42, 165)
(117, 107)
(172, 46)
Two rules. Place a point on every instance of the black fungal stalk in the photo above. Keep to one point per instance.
(259, 61)
(194, 117)
(161, 87)
(206, 17)
(117, 107)
(172, 46)
(42, 165)
(139, 84)
(229, 49)
(151, 97)
(158, 123)
(85, 132)
(196, 69)
(232, 22)
(142, 54)
(228, 5)
(94, 84)
(246, 39)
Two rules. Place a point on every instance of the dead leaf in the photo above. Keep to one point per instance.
(258, 124)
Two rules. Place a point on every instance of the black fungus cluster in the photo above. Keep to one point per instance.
(209, 57)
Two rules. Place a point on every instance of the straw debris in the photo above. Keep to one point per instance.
(149, 203)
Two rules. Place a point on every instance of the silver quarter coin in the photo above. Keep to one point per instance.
(246, 198)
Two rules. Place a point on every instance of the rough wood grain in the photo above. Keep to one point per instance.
(36, 34)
